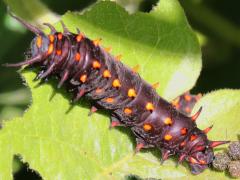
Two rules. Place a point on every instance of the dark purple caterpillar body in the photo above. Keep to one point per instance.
(90, 71)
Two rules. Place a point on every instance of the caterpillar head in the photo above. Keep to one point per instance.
(201, 156)
(41, 46)
(199, 160)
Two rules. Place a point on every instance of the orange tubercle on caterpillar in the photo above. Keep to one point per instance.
(149, 106)
(77, 56)
(39, 41)
(116, 83)
(132, 93)
(127, 111)
(106, 74)
(147, 127)
(96, 64)
(168, 121)
(83, 78)
(167, 137)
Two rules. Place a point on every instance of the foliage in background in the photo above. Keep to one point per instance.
(215, 97)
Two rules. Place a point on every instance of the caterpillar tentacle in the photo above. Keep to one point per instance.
(51, 27)
(89, 70)
(33, 60)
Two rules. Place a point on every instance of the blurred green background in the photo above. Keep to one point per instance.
(216, 22)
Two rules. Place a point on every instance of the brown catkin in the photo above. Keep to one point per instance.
(234, 150)
(234, 168)
(221, 161)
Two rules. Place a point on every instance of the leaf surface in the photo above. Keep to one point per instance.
(62, 144)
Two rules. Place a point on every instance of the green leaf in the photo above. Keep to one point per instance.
(71, 145)
(33, 10)
(18, 97)
(221, 109)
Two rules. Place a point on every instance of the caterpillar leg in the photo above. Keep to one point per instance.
(92, 110)
(115, 123)
(80, 93)
(165, 154)
(141, 145)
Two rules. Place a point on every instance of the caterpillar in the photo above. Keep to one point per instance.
(90, 71)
